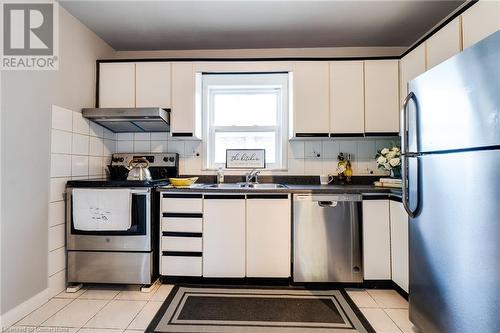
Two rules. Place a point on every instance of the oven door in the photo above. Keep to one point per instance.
(135, 239)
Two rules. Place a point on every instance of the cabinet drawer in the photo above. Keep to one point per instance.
(183, 203)
(182, 224)
(181, 244)
(181, 266)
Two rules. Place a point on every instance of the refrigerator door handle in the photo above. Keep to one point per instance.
(405, 154)
(403, 121)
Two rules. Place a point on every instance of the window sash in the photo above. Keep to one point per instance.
(266, 86)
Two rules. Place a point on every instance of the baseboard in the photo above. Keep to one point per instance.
(14, 315)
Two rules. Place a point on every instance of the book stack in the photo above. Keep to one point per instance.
(389, 182)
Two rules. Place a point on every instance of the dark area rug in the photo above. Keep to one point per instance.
(251, 310)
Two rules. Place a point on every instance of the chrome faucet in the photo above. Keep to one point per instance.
(252, 174)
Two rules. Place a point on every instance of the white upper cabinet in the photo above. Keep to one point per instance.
(311, 94)
(399, 245)
(117, 85)
(268, 236)
(411, 66)
(444, 44)
(153, 87)
(185, 116)
(480, 21)
(381, 96)
(347, 109)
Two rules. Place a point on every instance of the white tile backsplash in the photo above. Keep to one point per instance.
(313, 149)
(57, 188)
(74, 138)
(142, 136)
(62, 119)
(330, 149)
(124, 146)
(96, 130)
(57, 261)
(80, 124)
(295, 149)
(142, 146)
(176, 147)
(61, 142)
(79, 166)
(96, 146)
(192, 148)
(159, 136)
(80, 144)
(159, 146)
(60, 165)
(56, 213)
(125, 136)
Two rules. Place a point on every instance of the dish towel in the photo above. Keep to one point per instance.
(101, 209)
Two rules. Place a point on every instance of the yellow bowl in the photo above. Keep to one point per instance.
(182, 181)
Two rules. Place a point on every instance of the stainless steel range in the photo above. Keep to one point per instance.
(120, 256)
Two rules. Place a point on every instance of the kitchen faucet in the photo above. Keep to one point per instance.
(252, 174)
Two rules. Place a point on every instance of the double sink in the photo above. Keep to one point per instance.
(243, 186)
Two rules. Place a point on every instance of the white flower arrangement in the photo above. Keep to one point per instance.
(389, 159)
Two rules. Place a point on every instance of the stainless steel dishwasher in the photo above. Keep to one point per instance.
(327, 238)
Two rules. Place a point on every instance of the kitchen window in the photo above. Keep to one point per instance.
(245, 111)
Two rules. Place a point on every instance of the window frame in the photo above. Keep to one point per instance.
(247, 83)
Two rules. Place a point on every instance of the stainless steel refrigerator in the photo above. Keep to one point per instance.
(450, 133)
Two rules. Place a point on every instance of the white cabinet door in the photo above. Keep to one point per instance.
(311, 95)
(224, 237)
(381, 96)
(480, 21)
(376, 240)
(268, 236)
(399, 245)
(153, 86)
(444, 44)
(185, 116)
(117, 85)
(411, 66)
(347, 108)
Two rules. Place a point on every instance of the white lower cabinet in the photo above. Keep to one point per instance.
(376, 240)
(224, 236)
(181, 266)
(399, 245)
(268, 236)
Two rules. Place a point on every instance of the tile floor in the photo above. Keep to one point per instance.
(110, 309)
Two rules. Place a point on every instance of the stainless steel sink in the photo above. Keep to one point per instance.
(258, 186)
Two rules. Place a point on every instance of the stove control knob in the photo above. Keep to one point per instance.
(165, 159)
(171, 159)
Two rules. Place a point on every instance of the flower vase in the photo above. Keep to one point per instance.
(396, 173)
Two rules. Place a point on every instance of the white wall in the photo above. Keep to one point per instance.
(26, 106)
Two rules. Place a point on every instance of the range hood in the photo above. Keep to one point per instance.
(120, 120)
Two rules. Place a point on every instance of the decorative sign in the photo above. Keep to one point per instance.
(245, 158)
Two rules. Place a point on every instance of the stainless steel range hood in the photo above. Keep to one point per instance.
(121, 120)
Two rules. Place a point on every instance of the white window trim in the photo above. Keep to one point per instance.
(246, 80)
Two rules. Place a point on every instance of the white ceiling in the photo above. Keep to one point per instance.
(188, 25)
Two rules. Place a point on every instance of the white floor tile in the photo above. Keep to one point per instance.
(133, 331)
(77, 294)
(362, 299)
(388, 298)
(142, 320)
(380, 321)
(76, 314)
(44, 312)
(133, 293)
(116, 314)
(401, 318)
(162, 292)
(99, 294)
(99, 330)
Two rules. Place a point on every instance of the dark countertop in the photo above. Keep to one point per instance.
(368, 191)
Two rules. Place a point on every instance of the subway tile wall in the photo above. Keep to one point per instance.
(79, 149)
(311, 157)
